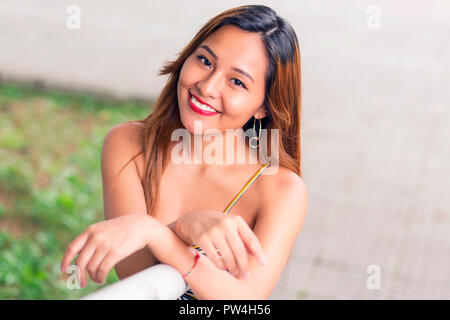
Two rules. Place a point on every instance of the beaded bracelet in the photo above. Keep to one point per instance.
(197, 256)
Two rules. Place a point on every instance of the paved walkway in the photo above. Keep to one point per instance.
(376, 118)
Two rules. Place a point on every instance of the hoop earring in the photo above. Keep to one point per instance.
(255, 138)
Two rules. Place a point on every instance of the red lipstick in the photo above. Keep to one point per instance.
(198, 110)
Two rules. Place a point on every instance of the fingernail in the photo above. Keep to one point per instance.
(235, 273)
(263, 260)
(247, 275)
(62, 269)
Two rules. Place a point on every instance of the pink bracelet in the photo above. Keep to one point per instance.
(197, 256)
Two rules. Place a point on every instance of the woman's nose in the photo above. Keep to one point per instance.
(211, 86)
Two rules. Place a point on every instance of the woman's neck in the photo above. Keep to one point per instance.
(209, 151)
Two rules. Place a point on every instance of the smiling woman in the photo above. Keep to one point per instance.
(242, 66)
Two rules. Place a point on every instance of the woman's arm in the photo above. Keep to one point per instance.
(277, 228)
(138, 261)
(123, 194)
(207, 281)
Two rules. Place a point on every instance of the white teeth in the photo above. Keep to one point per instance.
(202, 106)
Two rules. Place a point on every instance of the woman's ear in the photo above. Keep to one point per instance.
(261, 112)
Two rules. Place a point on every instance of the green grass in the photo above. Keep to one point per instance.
(50, 183)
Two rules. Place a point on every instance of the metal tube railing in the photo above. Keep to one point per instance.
(159, 282)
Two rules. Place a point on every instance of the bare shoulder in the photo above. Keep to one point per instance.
(284, 182)
(283, 186)
(120, 144)
(126, 131)
(123, 139)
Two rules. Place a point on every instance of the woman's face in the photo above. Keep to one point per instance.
(227, 72)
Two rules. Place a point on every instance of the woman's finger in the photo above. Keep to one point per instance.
(251, 241)
(83, 259)
(221, 243)
(211, 251)
(94, 263)
(74, 247)
(239, 250)
(106, 265)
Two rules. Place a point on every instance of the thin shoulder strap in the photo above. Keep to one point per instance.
(246, 186)
(236, 198)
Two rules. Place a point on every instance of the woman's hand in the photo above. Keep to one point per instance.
(215, 231)
(104, 244)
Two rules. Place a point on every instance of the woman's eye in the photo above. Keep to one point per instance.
(202, 57)
(240, 83)
(207, 63)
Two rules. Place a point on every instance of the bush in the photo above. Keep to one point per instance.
(50, 183)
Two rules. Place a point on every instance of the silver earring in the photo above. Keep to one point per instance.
(255, 138)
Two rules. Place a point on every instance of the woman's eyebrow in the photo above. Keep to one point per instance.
(233, 68)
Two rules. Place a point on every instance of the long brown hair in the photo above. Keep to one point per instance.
(282, 95)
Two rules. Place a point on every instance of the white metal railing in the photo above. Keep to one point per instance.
(159, 282)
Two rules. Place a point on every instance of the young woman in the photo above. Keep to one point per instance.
(241, 71)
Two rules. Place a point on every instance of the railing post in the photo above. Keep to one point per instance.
(159, 282)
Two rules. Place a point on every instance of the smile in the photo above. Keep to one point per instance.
(201, 108)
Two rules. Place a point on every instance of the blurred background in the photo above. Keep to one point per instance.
(375, 136)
